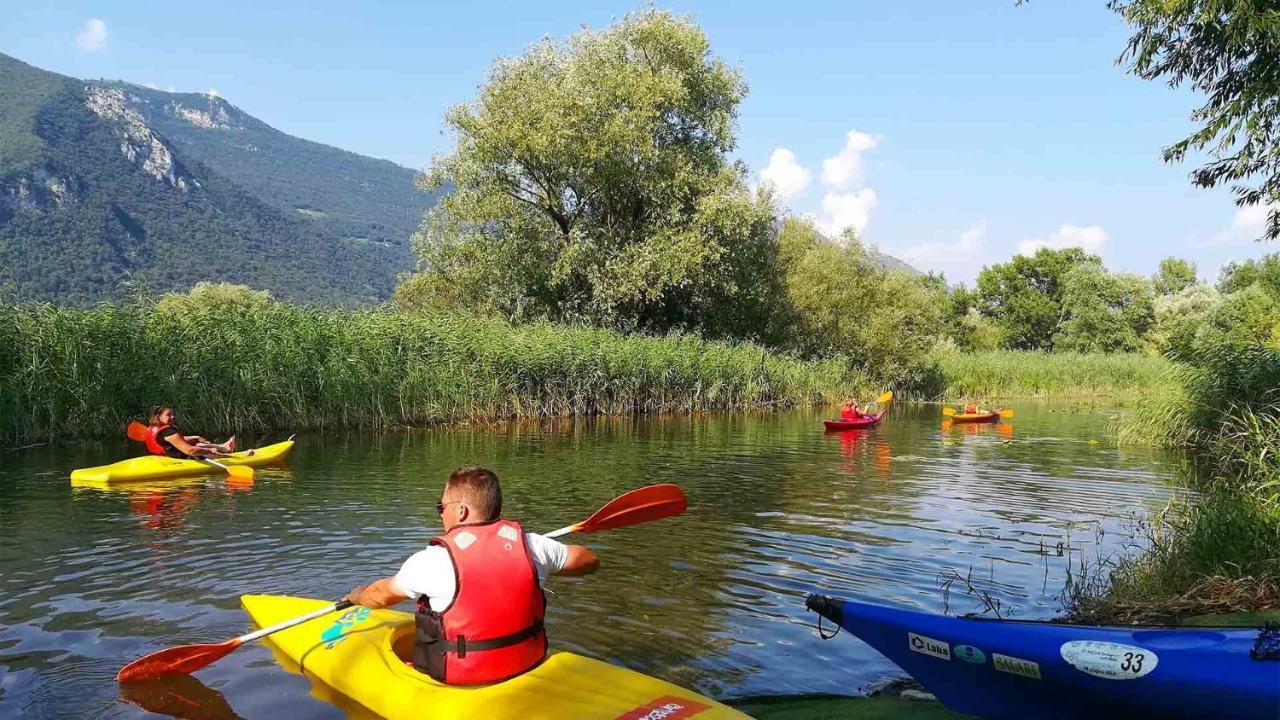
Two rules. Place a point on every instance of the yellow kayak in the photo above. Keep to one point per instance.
(155, 467)
(358, 653)
(982, 417)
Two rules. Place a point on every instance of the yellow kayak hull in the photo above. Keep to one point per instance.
(156, 467)
(353, 652)
(987, 417)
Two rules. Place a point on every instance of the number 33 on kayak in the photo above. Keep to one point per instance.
(476, 643)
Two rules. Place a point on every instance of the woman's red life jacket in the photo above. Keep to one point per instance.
(153, 440)
(492, 630)
(850, 412)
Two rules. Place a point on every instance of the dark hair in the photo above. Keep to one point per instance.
(480, 485)
(156, 412)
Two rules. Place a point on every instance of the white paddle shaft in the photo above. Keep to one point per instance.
(290, 623)
(562, 531)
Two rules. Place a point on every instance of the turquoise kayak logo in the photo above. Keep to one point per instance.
(338, 631)
(969, 653)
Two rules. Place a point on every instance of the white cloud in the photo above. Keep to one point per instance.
(788, 176)
(212, 92)
(847, 210)
(959, 259)
(1247, 225)
(1090, 238)
(93, 37)
(846, 169)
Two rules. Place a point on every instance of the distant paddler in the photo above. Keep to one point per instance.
(850, 410)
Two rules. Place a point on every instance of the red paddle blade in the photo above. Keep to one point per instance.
(641, 505)
(136, 431)
(175, 661)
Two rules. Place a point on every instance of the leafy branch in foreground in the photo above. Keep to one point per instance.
(1229, 50)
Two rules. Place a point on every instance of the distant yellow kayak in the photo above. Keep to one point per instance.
(358, 653)
(155, 467)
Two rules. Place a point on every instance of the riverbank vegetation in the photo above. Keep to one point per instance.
(234, 360)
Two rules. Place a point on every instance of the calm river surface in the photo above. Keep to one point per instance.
(90, 579)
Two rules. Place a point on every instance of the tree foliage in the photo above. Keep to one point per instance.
(1229, 51)
(591, 183)
(1174, 276)
(1265, 271)
(1024, 296)
(841, 301)
(1104, 312)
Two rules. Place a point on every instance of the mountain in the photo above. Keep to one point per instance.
(103, 182)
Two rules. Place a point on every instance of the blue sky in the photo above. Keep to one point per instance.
(950, 133)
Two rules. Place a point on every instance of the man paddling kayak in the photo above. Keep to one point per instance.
(478, 586)
(164, 438)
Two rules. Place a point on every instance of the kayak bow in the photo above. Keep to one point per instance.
(360, 653)
(1020, 669)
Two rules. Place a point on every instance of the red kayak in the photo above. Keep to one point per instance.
(861, 423)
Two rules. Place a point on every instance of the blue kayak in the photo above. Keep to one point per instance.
(1021, 670)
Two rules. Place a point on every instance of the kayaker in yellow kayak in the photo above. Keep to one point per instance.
(478, 586)
(164, 438)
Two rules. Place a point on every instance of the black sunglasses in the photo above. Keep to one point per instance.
(441, 505)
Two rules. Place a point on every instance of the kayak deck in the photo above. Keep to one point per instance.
(1021, 669)
(156, 467)
(861, 423)
(359, 653)
(993, 416)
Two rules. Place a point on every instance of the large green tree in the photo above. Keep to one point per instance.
(1104, 312)
(1229, 52)
(1265, 272)
(841, 301)
(590, 182)
(1024, 295)
(1174, 276)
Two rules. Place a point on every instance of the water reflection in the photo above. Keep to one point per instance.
(91, 578)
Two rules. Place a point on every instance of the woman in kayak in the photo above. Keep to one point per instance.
(850, 411)
(163, 438)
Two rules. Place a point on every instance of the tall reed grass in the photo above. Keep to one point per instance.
(1016, 373)
(1220, 403)
(71, 373)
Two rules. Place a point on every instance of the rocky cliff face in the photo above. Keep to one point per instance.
(139, 144)
(105, 183)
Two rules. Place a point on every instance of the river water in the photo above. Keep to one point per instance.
(714, 600)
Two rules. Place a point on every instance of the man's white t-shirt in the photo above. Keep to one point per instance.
(430, 572)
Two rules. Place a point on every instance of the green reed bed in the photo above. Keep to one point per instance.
(69, 373)
(1016, 373)
(1219, 404)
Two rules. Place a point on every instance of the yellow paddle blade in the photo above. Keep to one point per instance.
(948, 411)
(1006, 413)
(885, 397)
(241, 472)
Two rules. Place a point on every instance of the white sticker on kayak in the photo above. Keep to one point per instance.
(1113, 661)
(929, 646)
(1016, 666)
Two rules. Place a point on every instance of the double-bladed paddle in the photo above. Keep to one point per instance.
(641, 505)
(138, 433)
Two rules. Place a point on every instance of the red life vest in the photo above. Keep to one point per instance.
(492, 630)
(153, 440)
